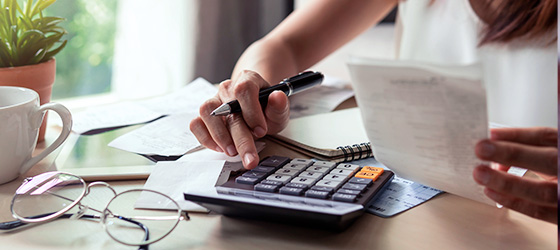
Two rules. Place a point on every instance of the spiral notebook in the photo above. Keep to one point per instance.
(336, 136)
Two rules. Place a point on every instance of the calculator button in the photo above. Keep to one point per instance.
(308, 174)
(246, 180)
(258, 175)
(304, 180)
(327, 164)
(304, 162)
(323, 189)
(279, 177)
(345, 172)
(351, 186)
(344, 197)
(367, 175)
(275, 161)
(348, 166)
(329, 184)
(363, 181)
(271, 182)
(319, 169)
(348, 191)
(297, 185)
(264, 169)
(298, 167)
(334, 177)
(291, 191)
(317, 194)
(372, 169)
(266, 188)
(284, 171)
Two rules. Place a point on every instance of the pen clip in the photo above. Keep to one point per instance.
(299, 76)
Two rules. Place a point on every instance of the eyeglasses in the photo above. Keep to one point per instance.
(52, 195)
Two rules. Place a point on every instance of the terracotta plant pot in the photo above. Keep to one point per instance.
(38, 77)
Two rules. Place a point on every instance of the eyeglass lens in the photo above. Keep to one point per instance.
(40, 197)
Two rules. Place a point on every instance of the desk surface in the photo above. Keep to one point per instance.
(445, 222)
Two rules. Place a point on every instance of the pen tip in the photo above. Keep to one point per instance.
(213, 113)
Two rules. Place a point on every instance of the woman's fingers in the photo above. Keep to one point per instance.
(540, 192)
(215, 127)
(539, 136)
(536, 158)
(246, 92)
(277, 112)
(235, 133)
(243, 140)
(198, 128)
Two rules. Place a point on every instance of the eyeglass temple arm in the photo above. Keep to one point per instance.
(146, 231)
(16, 224)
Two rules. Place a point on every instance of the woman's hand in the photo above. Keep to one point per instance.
(531, 148)
(235, 133)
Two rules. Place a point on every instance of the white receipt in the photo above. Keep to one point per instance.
(168, 136)
(199, 171)
(173, 178)
(424, 121)
(111, 116)
(188, 98)
(233, 163)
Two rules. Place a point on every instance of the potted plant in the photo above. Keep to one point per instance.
(28, 43)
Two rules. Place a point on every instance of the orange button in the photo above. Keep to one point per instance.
(367, 175)
(372, 169)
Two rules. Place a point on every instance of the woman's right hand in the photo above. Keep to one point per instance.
(235, 133)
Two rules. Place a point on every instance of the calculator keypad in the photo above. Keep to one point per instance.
(312, 179)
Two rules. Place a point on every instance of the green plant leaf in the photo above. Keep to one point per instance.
(29, 35)
(53, 52)
(45, 3)
(26, 35)
(28, 6)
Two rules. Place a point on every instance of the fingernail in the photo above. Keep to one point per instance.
(486, 149)
(481, 175)
(259, 132)
(231, 150)
(248, 159)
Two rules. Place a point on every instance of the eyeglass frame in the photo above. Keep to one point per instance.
(181, 215)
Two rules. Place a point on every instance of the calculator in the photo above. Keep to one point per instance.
(299, 191)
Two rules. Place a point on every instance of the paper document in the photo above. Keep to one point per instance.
(116, 115)
(320, 99)
(424, 121)
(200, 170)
(111, 116)
(173, 178)
(233, 163)
(168, 136)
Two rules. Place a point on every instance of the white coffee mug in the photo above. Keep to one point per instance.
(20, 119)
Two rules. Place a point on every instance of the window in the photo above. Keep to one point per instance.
(84, 66)
(124, 49)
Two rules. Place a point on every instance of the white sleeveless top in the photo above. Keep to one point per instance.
(521, 78)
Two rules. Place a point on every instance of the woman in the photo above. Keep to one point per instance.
(514, 39)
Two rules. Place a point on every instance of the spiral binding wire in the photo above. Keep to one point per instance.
(356, 151)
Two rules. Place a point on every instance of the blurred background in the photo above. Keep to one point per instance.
(139, 48)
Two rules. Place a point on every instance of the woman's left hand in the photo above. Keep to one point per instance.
(531, 148)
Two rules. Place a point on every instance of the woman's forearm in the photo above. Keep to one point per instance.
(272, 59)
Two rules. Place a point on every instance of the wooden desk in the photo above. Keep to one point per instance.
(446, 222)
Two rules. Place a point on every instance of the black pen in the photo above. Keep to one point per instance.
(289, 86)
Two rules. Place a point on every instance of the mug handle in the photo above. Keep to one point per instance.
(66, 117)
